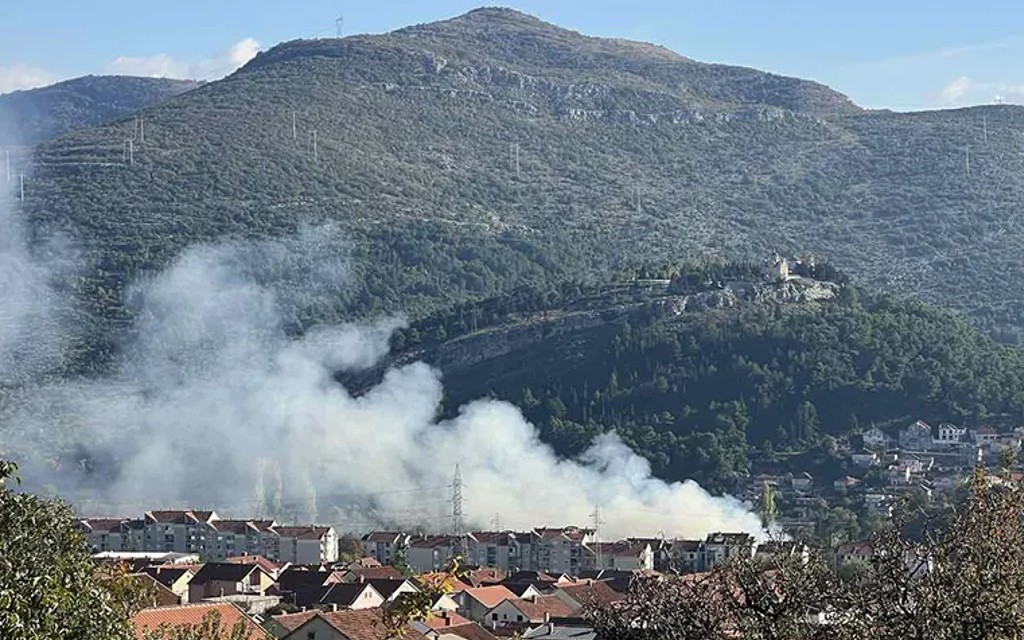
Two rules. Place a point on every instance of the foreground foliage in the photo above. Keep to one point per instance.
(934, 576)
(49, 588)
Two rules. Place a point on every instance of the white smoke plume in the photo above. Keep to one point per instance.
(214, 404)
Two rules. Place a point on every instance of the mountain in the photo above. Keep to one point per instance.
(468, 157)
(704, 377)
(36, 115)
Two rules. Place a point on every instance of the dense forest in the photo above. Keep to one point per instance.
(465, 158)
(37, 115)
(701, 390)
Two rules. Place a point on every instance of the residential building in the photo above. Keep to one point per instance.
(561, 550)
(783, 549)
(181, 531)
(189, 615)
(687, 555)
(568, 630)
(155, 593)
(224, 579)
(383, 545)
(352, 624)
(949, 435)
(861, 551)
(229, 538)
(845, 483)
(875, 438)
(358, 595)
(984, 436)
(175, 578)
(431, 553)
(619, 556)
(493, 549)
(306, 544)
(475, 603)
(105, 534)
(719, 547)
(588, 593)
(452, 626)
(916, 437)
(533, 611)
(392, 588)
(801, 482)
(864, 458)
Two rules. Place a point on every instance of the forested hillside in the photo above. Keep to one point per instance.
(36, 115)
(700, 382)
(468, 157)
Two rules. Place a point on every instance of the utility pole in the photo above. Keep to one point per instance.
(967, 160)
(142, 129)
(21, 179)
(639, 206)
(984, 127)
(131, 152)
(295, 129)
(315, 155)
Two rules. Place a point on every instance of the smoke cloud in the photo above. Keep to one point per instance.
(217, 403)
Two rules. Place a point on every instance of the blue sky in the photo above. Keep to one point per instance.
(899, 54)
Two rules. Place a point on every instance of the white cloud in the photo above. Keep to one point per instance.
(163, 65)
(23, 76)
(955, 90)
(963, 90)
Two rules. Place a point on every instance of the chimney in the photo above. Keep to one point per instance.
(547, 617)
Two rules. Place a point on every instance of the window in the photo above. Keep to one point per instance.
(519, 618)
(494, 616)
(311, 635)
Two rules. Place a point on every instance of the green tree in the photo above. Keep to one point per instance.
(49, 587)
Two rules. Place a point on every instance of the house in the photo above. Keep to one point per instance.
(592, 593)
(917, 436)
(392, 588)
(307, 544)
(776, 269)
(483, 577)
(783, 549)
(719, 547)
(875, 438)
(431, 553)
(529, 589)
(105, 534)
(475, 603)
(272, 568)
(533, 611)
(864, 458)
(342, 595)
(452, 626)
(383, 545)
(571, 630)
(861, 551)
(174, 578)
(155, 594)
(687, 555)
(193, 615)
(620, 556)
(351, 624)
(802, 482)
(984, 436)
(949, 436)
(223, 579)
(302, 587)
(898, 475)
(845, 483)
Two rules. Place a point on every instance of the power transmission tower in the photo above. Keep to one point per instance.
(595, 519)
(338, 25)
(142, 129)
(967, 160)
(458, 530)
(295, 128)
(515, 159)
(315, 155)
(7, 153)
(21, 180)
(496, 522)
(129, 152)
(639, 206)
(984, 128)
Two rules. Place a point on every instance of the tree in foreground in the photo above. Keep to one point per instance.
(955, 574)
(49, 587)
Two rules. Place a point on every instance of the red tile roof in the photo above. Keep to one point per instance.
(490, 596)
(193, 614)
(292, 621)
(377, 573)
(538, 608)
(109, 525)
(364, 624)
(303, 533)
(258, 560)
(597, 594)
(445, 619)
